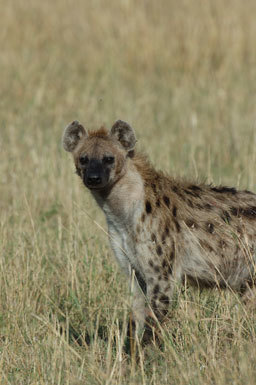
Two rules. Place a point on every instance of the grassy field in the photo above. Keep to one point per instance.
(184, 75)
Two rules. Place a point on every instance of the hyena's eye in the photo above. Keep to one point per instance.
(108, 159)
(83, 160)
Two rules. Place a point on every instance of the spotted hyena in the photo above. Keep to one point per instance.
(163, 230)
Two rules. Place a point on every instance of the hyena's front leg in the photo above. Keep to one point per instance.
(138, 287)
(138, 292)
(160, 290)
(137, 318)
(159, 297)
(150, 305)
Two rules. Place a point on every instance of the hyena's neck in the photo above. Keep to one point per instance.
(124, 202)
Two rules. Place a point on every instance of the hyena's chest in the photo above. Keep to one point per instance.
(144, 243)
(125, 239)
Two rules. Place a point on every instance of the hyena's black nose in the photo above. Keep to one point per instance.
(94, 180)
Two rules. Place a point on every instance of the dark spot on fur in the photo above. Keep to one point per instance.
(249, 212)
(177, 225)
(205, 245)
(195, 188)
(148, 207)
(158, 203)
(163, 313)
(165, 276)
(172, 255)
(153, 237)
(224, 189)
(143, 217)
(153, 187)
(222, 244)
(192, 193)
(175, 189)
(159, 250)
(166, 230)
(167, 269)
(151, 263)
(164, 299)
(226, 217)
(208, 207)
(156, 289)
(163, 238)
(190, 203)
(210, 227)
(170, 269)
(157, 269)
(174, 211)
(166, 200)
(234, 211)
(190, 223)
(239, 230)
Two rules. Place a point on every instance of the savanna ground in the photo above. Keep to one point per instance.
(184, 75)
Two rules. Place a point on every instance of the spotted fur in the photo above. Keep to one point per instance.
(163, 229)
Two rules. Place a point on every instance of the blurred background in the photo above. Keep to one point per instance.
(183, 74)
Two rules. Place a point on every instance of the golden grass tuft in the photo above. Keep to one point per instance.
(183, 74)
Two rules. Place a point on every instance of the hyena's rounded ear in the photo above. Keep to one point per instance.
(124, 133)
(73, 133)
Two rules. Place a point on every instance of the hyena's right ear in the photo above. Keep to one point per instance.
(73, 133)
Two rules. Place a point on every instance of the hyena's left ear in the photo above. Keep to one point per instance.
(124, 133)
(73, 133)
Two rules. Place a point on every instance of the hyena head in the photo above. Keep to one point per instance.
(100, 156)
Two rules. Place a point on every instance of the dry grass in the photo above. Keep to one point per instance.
(184, 74)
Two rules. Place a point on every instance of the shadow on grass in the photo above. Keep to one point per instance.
(81, 337)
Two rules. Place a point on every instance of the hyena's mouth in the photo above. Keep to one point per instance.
(96, 178)
(94, 185)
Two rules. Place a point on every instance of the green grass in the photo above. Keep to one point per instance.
(184, 75)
